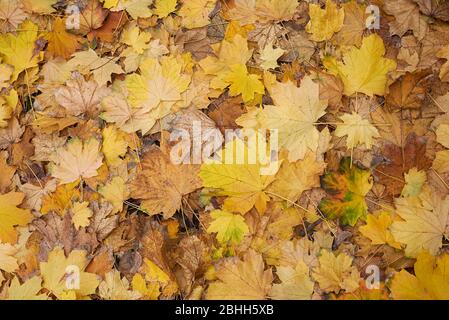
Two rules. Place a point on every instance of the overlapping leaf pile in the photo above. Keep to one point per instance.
(92, 204)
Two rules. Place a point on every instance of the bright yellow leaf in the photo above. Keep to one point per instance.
(363, 70)
(324, 22)
(11, 216)
(229, 227)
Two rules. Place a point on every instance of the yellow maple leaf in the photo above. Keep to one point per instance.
(269, 56)
(241, 82)
(164, 7)
(65, 276)
(135, 8)
(295, 283)
(244, 279)
(414, 182)
(430, 281)
(136, 39)
(358, 130)
(336, 273)
(425, 223)
(19, 51)
(363, 70)
(60, 42)
(81, 214)
(243, 184)
(229, 52)
(11, 216)
(115, 192)
(116, 109)
(150, 290)
(324, 22)
(293, 116)
(263, 11)
(40, 6)
(158, 88)
(77, 160)
(29, 290)
(8, 261)
(229, 227)
(61, 199)
(115, 145)
(88, 62)
(377, 230)
(113, 287)
(5, 74)
(195, 13)
(293, 178)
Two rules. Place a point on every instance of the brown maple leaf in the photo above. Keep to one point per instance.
(399, 161)
(162, 184)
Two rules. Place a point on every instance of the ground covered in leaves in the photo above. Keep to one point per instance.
(97, 97)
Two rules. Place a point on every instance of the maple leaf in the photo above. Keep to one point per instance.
(61, 199)
(60, 42)
(11, 216)
(295, 283)
(244, 279)
(408, 92)
(401, 160)
(336, 273)
(113, 287)
(429, 282)
(77, 160)
(40, 6)
(414, 182)
(294, 115)
(357, 130)
(363, 70)
(324, 22)
(229, 52)
(91, 17)
(164, 7)
(115, 192)
(114, 146)
(29, 290)
(229, 227)
(59, 267)
(135, 8)
(81, 214)
(136, 39)
(354, 24)
(19, 51)
(116, 109)
(150, 290)
(195, 13)
(407, 18)
(243, 183)
(241, 82)
(102, 68)
(8, 261)
(293, 178)
(348, 188)
(425, 223)
(377, 229)
(79, 96)
(263, 11)
(158, 88)
(269, 56)
(12, 14)
(162, 184)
